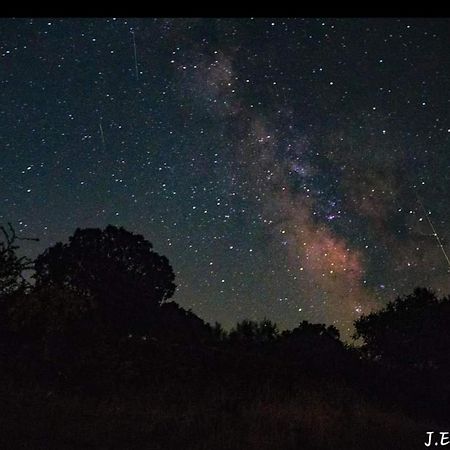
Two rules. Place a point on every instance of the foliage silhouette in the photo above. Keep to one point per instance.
(318, 347)
(308, 330)
(249, 331)
(219, 334)
(12, 267)
(97, 304)
(13, 285)
(412, 331)
(125, 280)
(175, 324)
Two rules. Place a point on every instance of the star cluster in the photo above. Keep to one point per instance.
(289, 168)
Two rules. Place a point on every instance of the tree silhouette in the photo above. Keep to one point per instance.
(124, 279)
(412, 331)
(12, 267)
(267, 331)
(249, 331)
(218, 332)
(14, 289)
(173, 323)
(316, 346)
(311, 331)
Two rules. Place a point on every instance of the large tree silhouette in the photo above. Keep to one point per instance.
(412, 331)
(125, 280)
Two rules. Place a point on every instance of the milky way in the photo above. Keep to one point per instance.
(280, 164)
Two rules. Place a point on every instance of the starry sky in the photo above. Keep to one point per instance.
(295, 169)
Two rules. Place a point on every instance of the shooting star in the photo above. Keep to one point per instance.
(101, 134)
(135, 56)
(435, 234)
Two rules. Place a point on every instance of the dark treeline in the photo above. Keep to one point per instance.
(95, 320)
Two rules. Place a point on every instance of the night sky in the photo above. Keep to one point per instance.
(292, 169)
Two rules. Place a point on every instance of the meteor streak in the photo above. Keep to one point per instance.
(435, 234)
(135, 57)
(102, 135)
